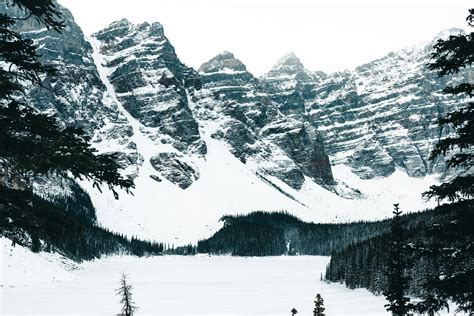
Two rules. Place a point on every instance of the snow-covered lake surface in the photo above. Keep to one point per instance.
(200, 285)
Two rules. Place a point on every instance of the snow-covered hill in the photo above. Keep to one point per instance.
(165, 212)
(214, 141)
(21, 267)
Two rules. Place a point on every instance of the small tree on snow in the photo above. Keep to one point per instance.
(319, 306)
(294, 311)
(125, 293)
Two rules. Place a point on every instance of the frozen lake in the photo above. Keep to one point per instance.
(201, 285)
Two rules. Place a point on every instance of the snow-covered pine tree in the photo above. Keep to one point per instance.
(126, 299)
(319, 306)
(396, 265)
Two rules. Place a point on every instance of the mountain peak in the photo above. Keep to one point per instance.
(227, 54)
(222, 62)
(122, 22)
(289, 59)
(289, 62)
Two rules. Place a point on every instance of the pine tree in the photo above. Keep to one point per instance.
(293, 311)
(319, 306)
(32, 143)
(396, 266)
(451, 244)
(126, 297)
(449, 57)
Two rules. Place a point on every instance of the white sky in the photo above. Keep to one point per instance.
(327, 35)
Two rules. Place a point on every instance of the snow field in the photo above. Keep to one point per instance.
(48, 284)
(21, 267)
(200, 285)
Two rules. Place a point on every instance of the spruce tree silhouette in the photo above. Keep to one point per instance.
(396, 266)
(319, 306)
(449, 57)
(451, 243)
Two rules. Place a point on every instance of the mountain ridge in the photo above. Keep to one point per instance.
(316, 144)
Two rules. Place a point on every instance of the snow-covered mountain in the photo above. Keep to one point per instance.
(377, 118)
(78, 96)
(217, 140)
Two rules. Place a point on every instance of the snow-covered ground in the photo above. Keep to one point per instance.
(21, 267)
(48, 284)
(201, 285)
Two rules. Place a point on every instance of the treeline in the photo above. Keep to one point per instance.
(42, 225)
(270, 234)
(363, 264)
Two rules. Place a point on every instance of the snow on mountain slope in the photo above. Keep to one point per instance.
(147, 78)
(20, 266)
(252, 150)
(204, 144)
(257, 132)
(163, 211)
(144, 145)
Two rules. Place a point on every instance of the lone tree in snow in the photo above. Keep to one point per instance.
(294, 311)
(396, 265)
(125, 293)
(319, 306)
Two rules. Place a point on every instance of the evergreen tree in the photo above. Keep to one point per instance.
(32, 143)
(449, 57)
(396, 265)
(293, 311)
(125, 293)
(452, 243)
(319, 306)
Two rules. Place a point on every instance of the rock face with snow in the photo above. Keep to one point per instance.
(376, 118)
(78, 97)
(255, 128)
(151, 83)
(290, 84)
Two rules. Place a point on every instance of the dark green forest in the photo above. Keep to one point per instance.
(271, 234)
(65, 225)
(361, 264)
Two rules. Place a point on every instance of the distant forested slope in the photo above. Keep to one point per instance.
(65, 225)
(269, 234)
(362, 264)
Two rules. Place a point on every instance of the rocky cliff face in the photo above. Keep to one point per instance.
(78, 97)
(256, 129)
(151, 83)
(379, 117)
(291, 85)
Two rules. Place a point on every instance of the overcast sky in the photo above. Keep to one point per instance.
(327, 35)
